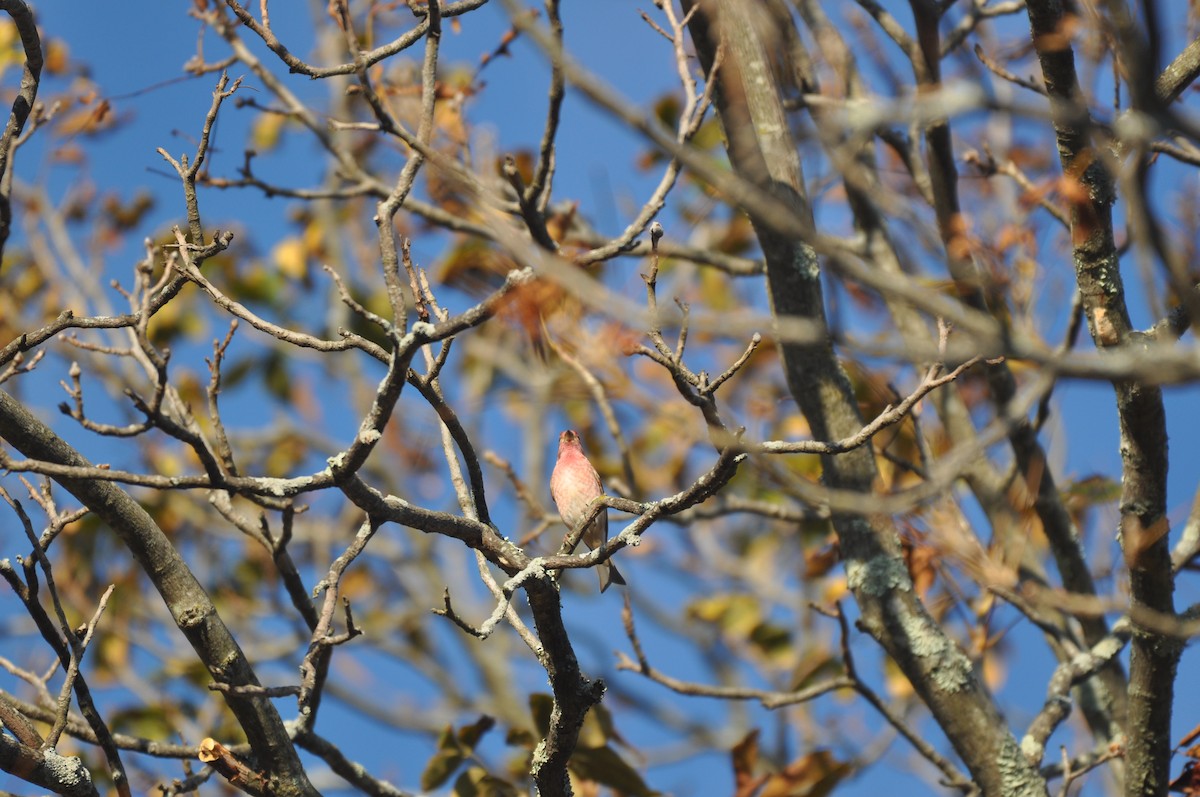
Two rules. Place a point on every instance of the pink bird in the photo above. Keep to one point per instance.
(574, 485)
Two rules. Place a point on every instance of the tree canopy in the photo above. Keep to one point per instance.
(874, 322)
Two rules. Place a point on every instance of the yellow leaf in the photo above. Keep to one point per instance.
(113, 654)
(291, 258)
(898, 685)
(835, 590)
(267, 130)
(168, 464)
(314, 238)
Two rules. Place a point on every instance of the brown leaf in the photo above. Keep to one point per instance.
(744, 757)
(1188, 781)
(812, 775)
(58, 57)
(85, 120)
(921, 566)
(819, 562)
(1060, 37)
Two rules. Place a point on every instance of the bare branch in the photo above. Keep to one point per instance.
(23, 105)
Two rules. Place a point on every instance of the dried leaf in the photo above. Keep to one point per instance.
(744, 756)
(812, 775)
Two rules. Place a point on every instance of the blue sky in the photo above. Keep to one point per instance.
(143, 43)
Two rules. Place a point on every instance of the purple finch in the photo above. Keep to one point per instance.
(574, 486)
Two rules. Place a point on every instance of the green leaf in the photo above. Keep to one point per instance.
(667, 109)
(445, 761)
(519, 737)
(477, 782)
(1094, 489)
(597, 728)
(605, 766)
(775, 642)
(540, 706)
(469, 735)
(439, 768)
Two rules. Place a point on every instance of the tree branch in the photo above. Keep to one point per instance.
(190, 606)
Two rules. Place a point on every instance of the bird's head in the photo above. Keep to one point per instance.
(567, 441)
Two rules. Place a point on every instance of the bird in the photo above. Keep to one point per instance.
(574, 485)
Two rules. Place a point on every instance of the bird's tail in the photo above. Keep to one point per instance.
(609, 575)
